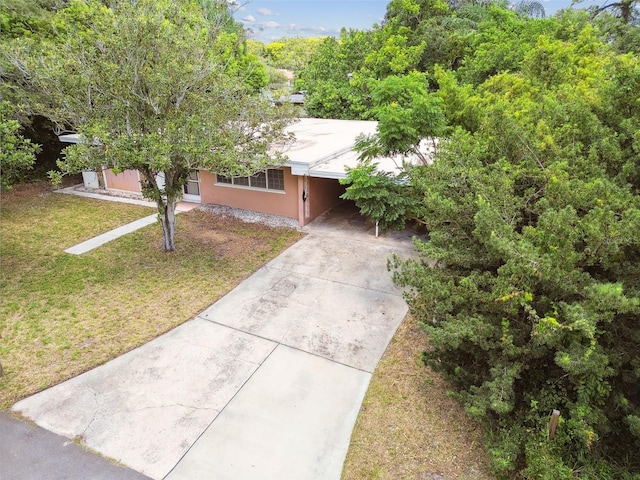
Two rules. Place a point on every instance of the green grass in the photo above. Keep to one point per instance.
(408, 426)
(62, 314)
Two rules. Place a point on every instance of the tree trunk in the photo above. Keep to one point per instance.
(167, 214)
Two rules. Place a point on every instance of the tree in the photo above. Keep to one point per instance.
(409, 122)
(380, 196)
(620, 30)
(627, 10)
(27, 17)
(332, 78)
(156, 86)
(500, 44)
(292, 53)
(392, 55)
(407, 116)
(533, 303)
(17, 154)
(530, 8)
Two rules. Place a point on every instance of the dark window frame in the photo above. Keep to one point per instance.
(271, 178)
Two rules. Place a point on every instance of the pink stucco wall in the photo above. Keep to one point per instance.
(128, 181)
(321, 194)
(276, 203)
(324, 193)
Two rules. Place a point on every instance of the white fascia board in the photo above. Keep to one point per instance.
(74, 138)
(298, 168)
(323, 174)
(70, 138)
(305, 168)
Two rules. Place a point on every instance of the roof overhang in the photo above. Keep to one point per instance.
(74, 138)
(70, 138)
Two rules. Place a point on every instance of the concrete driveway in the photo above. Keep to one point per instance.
(266, 383)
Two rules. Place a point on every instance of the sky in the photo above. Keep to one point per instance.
(269, 20)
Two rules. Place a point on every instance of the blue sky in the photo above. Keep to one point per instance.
(273, 19)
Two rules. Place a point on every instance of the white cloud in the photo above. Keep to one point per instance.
(307, 30)
(267, 32)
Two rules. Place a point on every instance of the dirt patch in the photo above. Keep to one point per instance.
(226, 236)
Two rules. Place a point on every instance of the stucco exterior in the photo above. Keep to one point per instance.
(127, 181)
(324, 194)
(284, 203)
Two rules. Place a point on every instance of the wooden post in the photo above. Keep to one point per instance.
(553, 423)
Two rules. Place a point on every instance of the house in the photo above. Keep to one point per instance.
(305, 187)
(297, 98)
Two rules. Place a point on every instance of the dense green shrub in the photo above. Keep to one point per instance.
(533, 209)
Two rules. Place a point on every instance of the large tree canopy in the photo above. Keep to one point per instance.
(158, 86)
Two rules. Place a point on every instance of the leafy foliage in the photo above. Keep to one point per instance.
(335, 87)
(380, 196)
(533, 305)
(291, 53)
(407, 114)
(17, 154)
(27, 17)
(533, 210)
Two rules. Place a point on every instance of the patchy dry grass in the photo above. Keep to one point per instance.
(62, 314)
(408, 428)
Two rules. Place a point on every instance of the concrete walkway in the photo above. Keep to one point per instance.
(96, 242)
(100, 240)
(266, 383)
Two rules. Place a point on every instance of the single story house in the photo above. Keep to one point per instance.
(305, 187)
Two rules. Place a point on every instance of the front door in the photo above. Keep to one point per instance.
(192, 188)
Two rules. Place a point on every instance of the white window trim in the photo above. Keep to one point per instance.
(253, 189)
(189, 197)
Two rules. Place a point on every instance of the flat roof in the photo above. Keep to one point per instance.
(324, 147)
(320, 140)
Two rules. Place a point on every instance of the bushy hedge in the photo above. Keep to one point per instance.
(533, 210)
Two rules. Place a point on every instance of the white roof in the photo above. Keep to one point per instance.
(324, 147)
(322, 141)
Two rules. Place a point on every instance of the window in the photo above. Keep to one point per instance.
(275, 179)
(259, 180)
(271, 179)
(193, 186)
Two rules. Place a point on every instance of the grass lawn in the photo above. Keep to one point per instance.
(408, 428)
(62, 314)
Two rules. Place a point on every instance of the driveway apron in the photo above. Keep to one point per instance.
(265, 383)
